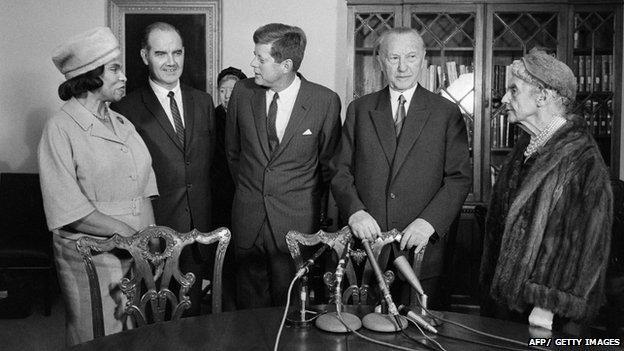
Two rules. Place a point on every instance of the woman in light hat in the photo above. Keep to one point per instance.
(549, 220)
(96, 176)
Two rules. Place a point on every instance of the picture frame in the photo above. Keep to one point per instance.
(202, 48)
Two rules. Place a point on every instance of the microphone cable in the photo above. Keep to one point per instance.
(410, 319)
(281, 327)
(374, 341)
(497, 337)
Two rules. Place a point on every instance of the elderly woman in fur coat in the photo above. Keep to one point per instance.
(549, 220)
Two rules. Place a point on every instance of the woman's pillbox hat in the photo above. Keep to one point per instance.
(85, 52)
(550, 71)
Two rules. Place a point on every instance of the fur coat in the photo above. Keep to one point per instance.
(548, 231)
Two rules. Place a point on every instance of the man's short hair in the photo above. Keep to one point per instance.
(163, 26)
(398, 30)
(287, 42)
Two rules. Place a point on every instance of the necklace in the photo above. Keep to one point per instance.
(541, 139)
(105, 117)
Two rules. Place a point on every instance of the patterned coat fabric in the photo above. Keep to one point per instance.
(548, 233)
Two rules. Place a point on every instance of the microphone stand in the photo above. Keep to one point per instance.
(303, 317)
(339, 321)
(401, 263)
(392, 322)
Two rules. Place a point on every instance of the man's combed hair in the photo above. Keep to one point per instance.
(398, 30)
(288, 42)
(163, 26)
(81, 84)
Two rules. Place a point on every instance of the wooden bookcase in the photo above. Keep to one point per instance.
(481, 39)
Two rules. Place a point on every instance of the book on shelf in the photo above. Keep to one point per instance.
(605, 73)
(580, 73)
(594, 73)
(503, 133)
(589, 81)
(436, 77)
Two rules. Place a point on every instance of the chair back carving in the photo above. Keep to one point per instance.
(358, 290)
(148, 288)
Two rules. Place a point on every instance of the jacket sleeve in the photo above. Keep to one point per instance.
(232, 133)
(330, 137)
(63, 199)
(343, 182)
(574, 251)
(457, 179)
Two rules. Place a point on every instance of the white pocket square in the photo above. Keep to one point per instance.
(307, 132)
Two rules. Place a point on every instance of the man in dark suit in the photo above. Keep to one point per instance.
(177, 123)
(281, 132)
(403, 159)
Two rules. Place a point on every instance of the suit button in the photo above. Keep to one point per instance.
(133, 177)
(189, 185)
(124, 149)
(269, 169)
(267, 195)
(188, 162)
(392, 196)
(186, 209)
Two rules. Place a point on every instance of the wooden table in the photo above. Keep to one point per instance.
(256, 330)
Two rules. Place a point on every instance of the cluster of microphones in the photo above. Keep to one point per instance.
(341, 321)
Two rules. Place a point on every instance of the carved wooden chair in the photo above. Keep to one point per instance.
(148, 290)
(359, 273)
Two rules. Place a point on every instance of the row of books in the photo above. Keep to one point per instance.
(435, 77)
(502, 133)
(594, 73)
(599, 116)
(500, 77)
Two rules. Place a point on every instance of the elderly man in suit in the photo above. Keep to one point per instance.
(177, 123)
(281, 132)
(403, 158)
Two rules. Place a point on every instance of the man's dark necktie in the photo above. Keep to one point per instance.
(177, 119)
(271, 117)
(400, 115)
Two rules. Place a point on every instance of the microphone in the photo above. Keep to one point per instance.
(340, 269)
(404, 311)
(380, 279)
(306, 266)
(335, 322)
(377, 321)
(401, 263)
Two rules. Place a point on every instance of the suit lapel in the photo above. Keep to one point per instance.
(413, 125)
(190, 112)
(299, 111)
(153, 105)
(258, 106)
(384, 124)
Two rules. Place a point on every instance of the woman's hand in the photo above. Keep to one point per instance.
(98, 224)
(541, 318)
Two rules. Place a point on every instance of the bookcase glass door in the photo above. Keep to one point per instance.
(367, 27)
(593, 54)
(449, 69)
(514, 33)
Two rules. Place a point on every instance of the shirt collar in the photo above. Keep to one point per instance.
(288, 94)
(162, 91)
(407, 94)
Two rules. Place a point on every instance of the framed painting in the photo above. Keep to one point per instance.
(199, 22)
